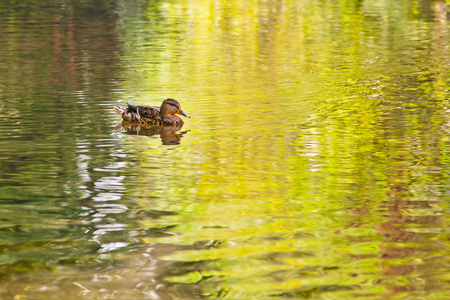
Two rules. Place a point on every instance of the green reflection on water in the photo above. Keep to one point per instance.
(316, 164)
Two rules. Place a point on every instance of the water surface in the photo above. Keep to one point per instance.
(315, 165)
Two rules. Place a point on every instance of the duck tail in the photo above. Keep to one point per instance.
(132, 107)
(122, 112)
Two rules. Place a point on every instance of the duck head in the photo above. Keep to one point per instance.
(171, 107)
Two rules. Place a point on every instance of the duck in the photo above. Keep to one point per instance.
(153, 115)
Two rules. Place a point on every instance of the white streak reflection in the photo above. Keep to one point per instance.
(107, 197)
(112, 246)
(110, 183)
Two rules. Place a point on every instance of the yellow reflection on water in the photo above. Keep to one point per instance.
(314, 165)
(297, 127)
(306, 118)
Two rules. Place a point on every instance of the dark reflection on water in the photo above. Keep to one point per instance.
(170, 135)
(316, 167)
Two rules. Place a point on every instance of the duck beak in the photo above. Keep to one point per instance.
(184, 114)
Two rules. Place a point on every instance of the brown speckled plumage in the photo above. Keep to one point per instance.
(153, 115)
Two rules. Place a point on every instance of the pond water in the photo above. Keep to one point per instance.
(316, 163)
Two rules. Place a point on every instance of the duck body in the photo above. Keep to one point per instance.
(153, 115)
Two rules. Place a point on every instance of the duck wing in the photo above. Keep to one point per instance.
(143, 114)
(140, 108)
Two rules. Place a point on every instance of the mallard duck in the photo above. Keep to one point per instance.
(153, 115)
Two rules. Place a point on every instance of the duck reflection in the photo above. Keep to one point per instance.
(170, 135)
